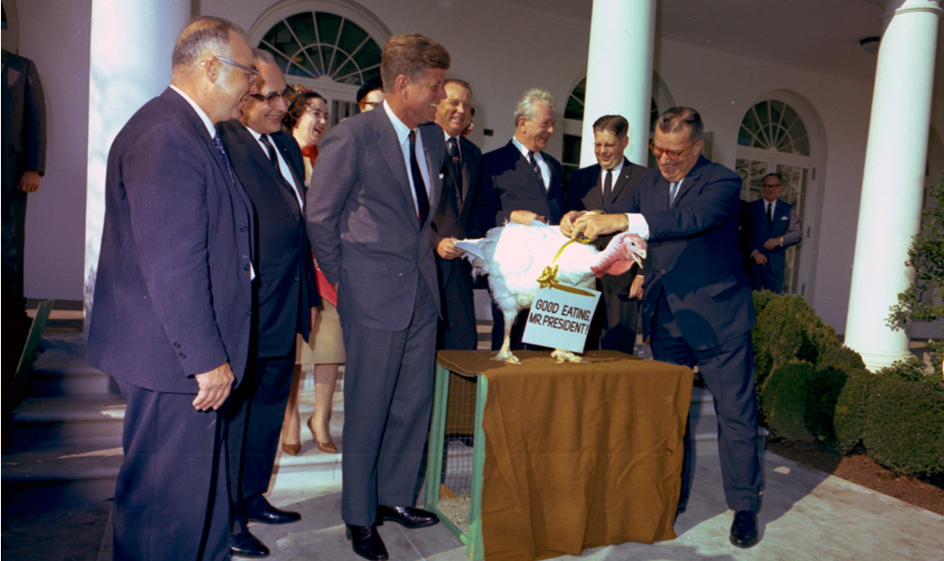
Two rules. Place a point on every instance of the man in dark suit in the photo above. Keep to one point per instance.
(697, 306)
(611, 179)
(369, 213)
(452, 219)
(24, 162)
(775, 227)
(522, 183)
(268, 163)
(173, 299)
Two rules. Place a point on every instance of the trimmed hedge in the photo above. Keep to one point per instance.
(799, 401)
(810, 386)
(905, 429)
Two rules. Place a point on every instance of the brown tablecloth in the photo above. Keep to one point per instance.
(578, 455)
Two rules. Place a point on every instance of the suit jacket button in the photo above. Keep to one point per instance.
(182, 355)
(243, 229)
(245, 267)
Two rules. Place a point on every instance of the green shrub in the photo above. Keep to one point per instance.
(905, 429)
(784, 400)
(788, 330)
(843, 358)
(850, 414)
(823, 391)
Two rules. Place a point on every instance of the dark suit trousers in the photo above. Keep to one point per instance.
(170, 497)
(457, 326)
(613, 327)
(767, 276)
(255, 424)
(388, 394)
(728, 370)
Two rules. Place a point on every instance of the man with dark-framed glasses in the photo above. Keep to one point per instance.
(268, 163)
(697, 305)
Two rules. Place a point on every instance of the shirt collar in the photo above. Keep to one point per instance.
(524, 150)
(402, 130)
(203, 116)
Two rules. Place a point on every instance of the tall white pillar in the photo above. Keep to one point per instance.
(893, 182)
(131, 46)
(619, 72)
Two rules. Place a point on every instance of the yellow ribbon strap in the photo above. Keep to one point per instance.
(548, 278)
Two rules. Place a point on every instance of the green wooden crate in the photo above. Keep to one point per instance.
(456, 456)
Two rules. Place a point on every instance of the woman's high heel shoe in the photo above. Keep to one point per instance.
(326, 447)
(291, 449)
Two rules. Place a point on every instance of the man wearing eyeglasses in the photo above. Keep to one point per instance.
(269, 165)
(173, 299)
(697, 305)
(775, 227)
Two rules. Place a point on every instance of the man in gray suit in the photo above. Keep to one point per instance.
(378, 176)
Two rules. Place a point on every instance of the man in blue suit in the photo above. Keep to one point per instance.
(697, 306)
(522, 183)
(370, 206)
(173, 299)
(775, 227)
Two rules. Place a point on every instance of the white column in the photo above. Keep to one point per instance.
(619, 72)
(892, 186)
(129, 63)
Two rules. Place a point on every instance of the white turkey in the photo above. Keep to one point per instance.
(515, 256)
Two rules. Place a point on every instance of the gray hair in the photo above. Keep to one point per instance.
(203, 34)
(525, 107)
(260, 55)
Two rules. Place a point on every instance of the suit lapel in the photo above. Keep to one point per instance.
(625, 173)
(389, 146)
(434, 189)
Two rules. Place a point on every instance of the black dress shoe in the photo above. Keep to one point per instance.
(258, 509)
(744, 529)
(366, 542)
(245, 544)
(407, 516)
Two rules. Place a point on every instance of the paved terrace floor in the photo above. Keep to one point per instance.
(806, 515)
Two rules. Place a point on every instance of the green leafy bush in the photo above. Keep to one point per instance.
(905, 428)
(850, 417)
(788, 330)
(784, 400)
(799, 401)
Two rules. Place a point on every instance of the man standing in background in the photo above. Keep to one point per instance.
(774, 227)
(611, 179)
(453, 219)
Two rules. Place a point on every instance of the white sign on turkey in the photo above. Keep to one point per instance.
(559, 319)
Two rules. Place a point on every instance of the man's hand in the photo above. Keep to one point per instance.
(567, 222)
(525, 217)
(759, 258)
(215, 386)
(591, 226)
(447, 249)
(314, 316)
(29, 182)
(635, 290)
(773, 243)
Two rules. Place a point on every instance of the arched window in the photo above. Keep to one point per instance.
(314, 44)
(327, 51)
(773, 138)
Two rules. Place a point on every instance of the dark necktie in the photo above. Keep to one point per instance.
(534, 165)
(273, 159)
(770, 213)
(419, 188)
(456, 166)
(229, 167)
(608, 186)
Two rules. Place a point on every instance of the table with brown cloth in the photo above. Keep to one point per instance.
(577, 455)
